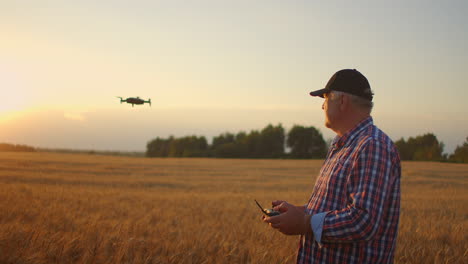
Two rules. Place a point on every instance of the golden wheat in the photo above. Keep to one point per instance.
(69, 208)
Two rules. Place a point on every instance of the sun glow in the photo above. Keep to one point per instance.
(14, 95)
(10, 115)
(9, 105)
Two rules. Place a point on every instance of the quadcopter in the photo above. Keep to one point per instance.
(134, 100)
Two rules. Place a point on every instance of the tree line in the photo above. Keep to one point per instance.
(16, 147)
(268, 143)
(272, 142)
(301, 142)
(428, 148)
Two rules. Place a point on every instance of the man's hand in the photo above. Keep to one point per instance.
(291, 221)
(278, 202)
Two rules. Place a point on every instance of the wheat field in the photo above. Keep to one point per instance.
(76, 208)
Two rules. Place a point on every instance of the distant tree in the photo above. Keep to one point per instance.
(15, 147)
(190, 146)
(252, 142)
(268, 143)
(404, 149)
(230, 150)
(306, 142)
(461, 153)
(271, 143)
(195, 147)
(423, 148)
(158, 147)
(216, 148)
(228, 145)
(223, 139)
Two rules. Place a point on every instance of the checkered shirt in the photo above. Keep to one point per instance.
(358, 195)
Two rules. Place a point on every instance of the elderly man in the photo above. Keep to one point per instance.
(352, 215)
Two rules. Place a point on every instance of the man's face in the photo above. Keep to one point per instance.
(331, 108)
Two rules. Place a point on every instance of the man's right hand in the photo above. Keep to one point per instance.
(292, 219)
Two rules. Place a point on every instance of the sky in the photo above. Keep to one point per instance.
(213, 66)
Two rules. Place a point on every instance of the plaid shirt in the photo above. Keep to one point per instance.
(355, 205)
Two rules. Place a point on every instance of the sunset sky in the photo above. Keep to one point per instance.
(213, 66)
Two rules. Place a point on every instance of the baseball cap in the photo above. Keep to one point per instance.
(349, 81)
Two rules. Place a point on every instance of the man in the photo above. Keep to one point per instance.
(352, 215)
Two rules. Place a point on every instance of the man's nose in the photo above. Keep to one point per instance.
(323, 106)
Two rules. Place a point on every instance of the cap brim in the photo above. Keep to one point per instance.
(320, 92)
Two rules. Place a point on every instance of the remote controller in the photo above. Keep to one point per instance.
(269, 212)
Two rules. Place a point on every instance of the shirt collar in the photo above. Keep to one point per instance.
(339, 142)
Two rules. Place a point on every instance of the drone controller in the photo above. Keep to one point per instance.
(268, 212)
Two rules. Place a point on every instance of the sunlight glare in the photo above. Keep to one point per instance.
(14, 96)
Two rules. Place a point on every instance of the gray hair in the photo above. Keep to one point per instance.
(357, 101)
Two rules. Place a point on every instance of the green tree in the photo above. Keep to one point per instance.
(223, 139)
(268, 143)
(158, 147)
(425, 147)
(231, 150)
(272, 142)
(14, 147)
(194, 146)
(404, 149)
(461, 153)
(252, 143)
(306, 142)
(190, 146)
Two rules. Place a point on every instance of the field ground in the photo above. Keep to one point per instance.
(70, 208)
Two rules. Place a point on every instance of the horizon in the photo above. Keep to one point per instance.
(212, 67)
(79, 123)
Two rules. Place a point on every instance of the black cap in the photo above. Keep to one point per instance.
(349, 81)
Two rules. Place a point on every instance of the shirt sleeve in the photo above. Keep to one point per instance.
(316, 221)
(368, 186)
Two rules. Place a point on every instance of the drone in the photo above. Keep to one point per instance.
(134, 100)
